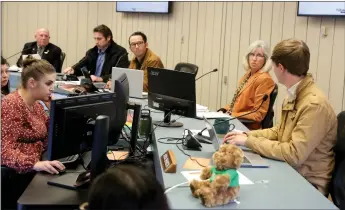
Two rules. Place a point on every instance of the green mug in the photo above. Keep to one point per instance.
(221, 126)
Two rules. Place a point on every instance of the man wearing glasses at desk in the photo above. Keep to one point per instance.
(144, 57)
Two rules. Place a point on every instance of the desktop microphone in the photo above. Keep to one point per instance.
(120, 59)
(263, 100)
(18, 53)
(81, 61)
(214, 70)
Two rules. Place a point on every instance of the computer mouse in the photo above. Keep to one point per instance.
(61, 171)
(76, 90)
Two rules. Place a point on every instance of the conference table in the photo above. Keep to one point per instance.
(277, 187)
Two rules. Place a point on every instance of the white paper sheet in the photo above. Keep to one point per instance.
(191, 175)
(15, 68)
(200, 108)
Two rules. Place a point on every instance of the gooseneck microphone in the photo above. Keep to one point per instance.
(18, 53)
(120, 59)
(255, 110)
(214, 70)
(81, 61)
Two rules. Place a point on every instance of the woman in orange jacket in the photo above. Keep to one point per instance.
(252, 87)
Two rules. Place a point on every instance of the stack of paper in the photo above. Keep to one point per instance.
(200, 108)
(15, 68)
(212, 115)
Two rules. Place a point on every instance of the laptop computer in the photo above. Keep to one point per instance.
(251, 160)
(135, 79)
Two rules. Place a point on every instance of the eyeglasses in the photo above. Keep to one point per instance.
(256, 55)
(132, 45)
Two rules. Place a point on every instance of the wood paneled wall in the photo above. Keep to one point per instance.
(209, 34)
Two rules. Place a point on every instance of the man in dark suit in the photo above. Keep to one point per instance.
(100, 59)
(46, 50)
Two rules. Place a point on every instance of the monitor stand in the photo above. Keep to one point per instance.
(167, 121)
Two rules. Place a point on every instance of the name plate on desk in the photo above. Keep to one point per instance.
(168, 162)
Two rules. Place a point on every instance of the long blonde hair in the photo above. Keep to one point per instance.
(253, 46)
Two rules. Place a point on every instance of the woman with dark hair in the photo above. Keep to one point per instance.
(126, 187)
(4, 77)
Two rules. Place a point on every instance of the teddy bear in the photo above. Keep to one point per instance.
(220, 183)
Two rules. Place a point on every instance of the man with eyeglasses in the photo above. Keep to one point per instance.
(100, 59)
(144, 57)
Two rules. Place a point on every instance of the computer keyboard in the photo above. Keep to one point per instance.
(99, 85)
(69, 159)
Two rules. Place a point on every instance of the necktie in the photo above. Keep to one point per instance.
(99, 64)
(40, 51)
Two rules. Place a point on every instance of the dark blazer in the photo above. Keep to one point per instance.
(115, 56)
(51, 53)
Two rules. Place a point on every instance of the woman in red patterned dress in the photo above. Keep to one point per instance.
(24, 124)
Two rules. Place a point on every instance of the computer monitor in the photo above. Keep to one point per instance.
(72, 120)
(172, 92)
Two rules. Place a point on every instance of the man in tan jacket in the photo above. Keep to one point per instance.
(306, 134)
(144, 57)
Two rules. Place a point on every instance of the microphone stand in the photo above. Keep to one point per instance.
(18, 53)
(206, 139)
(214, 70)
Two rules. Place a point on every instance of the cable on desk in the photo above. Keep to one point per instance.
(190, 157)
(148, 136)
(169, 139)
(173, 187)
(177, 143)
(126, 137)
(134, 158)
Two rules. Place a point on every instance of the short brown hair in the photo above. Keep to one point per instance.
(138, 33)
(293, 54)
(36, 69)
(104, 30)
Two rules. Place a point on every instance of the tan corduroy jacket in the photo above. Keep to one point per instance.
(150, 60)
(305, 136)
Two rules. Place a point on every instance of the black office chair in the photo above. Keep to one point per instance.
(12, 186)
(267, 122)
(187, 67)
(62, 59)
(337, 185)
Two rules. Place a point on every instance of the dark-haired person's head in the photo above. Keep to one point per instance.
(103, 36)
(37, 78)
(127, 187)
(4, 72)
(138, 44)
